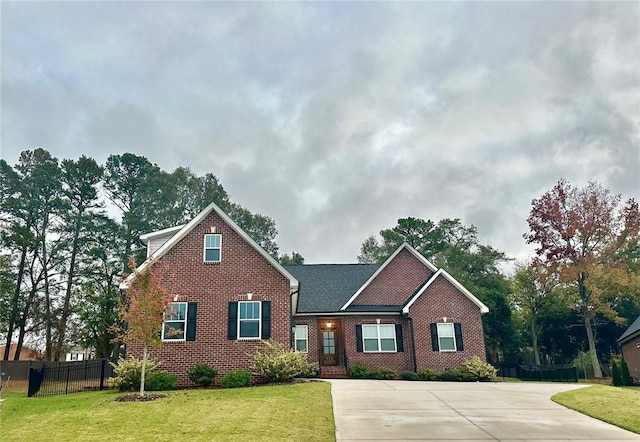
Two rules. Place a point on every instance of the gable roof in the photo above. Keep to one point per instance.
(324, 288)
(402, 247)
(631, 332)
(184, 231)
(164, 232)
(443, 273)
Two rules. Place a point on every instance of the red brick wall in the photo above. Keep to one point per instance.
(396, 282)
(443, 299)
(631, 352)
(398, 362)
(242, 270)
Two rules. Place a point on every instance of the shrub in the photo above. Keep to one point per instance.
(128, 373)
(480, 370)
(428, 374)
(625, 376)
(161, 381)
(616, 377)
(310, 371)
(202, 374)
(464, 375)
(384, 373)
(449, 375)
(277, 364)
(236, 379)
(358, 370)
(409, 376)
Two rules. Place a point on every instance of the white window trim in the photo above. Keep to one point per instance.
(251, 338)
(164, 321)
(205, 248)
(453, 328)
(306, 338)
(395, 339)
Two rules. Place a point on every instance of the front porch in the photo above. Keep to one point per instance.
(332, 351)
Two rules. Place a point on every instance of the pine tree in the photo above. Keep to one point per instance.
(616, 378)
(624, 373)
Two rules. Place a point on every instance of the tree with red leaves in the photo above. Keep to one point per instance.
(143, 310)
(582, 235)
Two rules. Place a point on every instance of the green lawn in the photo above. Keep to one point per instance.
(619, 406)
(300, 412)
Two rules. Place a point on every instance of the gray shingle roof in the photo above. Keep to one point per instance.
(325, 288)
(632, 330)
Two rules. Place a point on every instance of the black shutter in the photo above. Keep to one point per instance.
(434, 337)
(192, 309)
(457, 327)
(359, 338)
(399, 340)
(232, 330)
(266, 319)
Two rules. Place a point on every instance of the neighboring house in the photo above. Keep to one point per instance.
(26, 353)
(79, 354)
(230, 294)
(630, 344)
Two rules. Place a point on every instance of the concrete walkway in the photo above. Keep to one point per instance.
(370, 410)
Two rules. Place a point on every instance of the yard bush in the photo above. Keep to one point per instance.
(310, 371)
(409, 376)
(428, 374)
(480, 370)
(161, 381)
(460, 374)
(202, 374)
(358, 370)
(625, 376)
(277, 364)
(384, 373)
(128, 373)
(236, 379)
(616, 378)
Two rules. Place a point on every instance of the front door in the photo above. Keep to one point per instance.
(328, 345)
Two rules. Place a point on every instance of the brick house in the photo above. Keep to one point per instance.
(230, 294)
(629, 342)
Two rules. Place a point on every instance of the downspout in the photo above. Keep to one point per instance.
(413, 343)
(291, 321)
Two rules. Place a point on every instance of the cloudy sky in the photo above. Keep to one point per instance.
(336, 119)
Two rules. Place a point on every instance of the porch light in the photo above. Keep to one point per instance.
(249, 296)
(329, 324)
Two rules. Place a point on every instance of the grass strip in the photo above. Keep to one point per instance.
(619, 406)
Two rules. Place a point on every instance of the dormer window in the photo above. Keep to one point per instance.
(213, 248)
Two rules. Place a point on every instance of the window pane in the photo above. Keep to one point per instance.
(173, 330)
(301, 332)
(301, 345)
(370, 345)
(387, 331)
(212, 241)
(370, 331)
(177, 312)
(388, 344)
(447, 344)
(212, 255)
(445, 330)
(249, 329)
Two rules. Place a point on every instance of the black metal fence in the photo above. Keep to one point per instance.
(68, 377)
(549, 373)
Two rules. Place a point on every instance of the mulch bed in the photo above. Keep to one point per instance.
(138, 398)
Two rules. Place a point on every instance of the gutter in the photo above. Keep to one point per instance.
(291, 320)
(413, 343)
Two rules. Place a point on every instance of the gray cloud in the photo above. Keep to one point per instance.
(336, 119)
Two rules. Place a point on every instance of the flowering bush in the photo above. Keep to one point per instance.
(276, 364)
(480, 370)
(128, 373)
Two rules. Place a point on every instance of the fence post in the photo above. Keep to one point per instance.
(66, 388)
(102, 368)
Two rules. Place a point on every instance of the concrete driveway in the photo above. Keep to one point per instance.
(408, 411)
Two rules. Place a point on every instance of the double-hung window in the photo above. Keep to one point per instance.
(379, 337)
(446, 336)
(302, 338)
(213, 248)
(249, 319)
(175, 322)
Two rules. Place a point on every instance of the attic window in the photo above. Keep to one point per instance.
(213, 248)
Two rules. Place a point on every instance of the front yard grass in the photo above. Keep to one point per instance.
(300, 411)
(619, 406)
